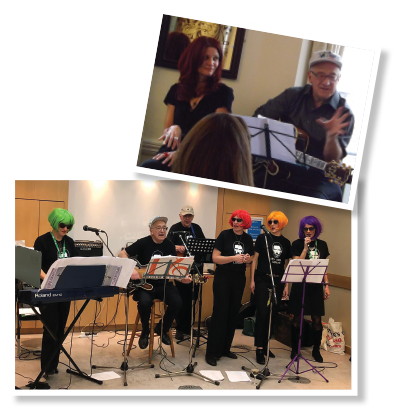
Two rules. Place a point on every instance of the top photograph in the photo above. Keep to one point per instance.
(259, 112)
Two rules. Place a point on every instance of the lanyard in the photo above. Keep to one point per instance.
(60, 255)
(192, 229)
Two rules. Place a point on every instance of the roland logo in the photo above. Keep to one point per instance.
(47, 295)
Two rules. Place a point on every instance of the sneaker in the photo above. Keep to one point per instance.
(144, 340)
(260, 356)
(210, 359)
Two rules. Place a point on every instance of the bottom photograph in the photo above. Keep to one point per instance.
(169, 285)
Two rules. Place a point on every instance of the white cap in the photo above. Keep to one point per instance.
(325, 57)
(157, 218)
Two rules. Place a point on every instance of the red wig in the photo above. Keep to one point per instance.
(189, 63)
(244, 215)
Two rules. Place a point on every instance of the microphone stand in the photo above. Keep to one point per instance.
(265, 373)
(124, 366)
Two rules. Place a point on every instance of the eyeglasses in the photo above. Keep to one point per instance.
(160, 228)
(63, 226)
(273, 221)
(322, 77)
(237, 220)
(311, 228)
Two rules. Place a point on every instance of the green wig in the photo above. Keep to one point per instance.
(59, 215)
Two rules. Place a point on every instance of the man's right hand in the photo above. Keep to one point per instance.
(135, 275)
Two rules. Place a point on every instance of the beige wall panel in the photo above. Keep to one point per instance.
(45, 208)
(26, 221)
(43, 190)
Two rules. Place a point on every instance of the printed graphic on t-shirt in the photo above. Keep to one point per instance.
(314, 253)
(157, 253)
(238, 249)
(277, 251)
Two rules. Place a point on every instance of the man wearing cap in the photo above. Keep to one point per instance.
(319, 110)
(185, 229)
(143, 249)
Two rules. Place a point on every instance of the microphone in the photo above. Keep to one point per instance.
(88, 228)
(263, 227)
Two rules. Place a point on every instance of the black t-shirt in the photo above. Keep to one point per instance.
(47, 247)
(279, 251)
(143, 249)
(186, 119)
(229, 244)
(318, 249)
(195, 231)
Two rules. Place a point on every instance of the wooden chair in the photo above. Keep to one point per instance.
(153, 317)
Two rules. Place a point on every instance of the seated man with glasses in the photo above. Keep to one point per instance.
(143, 249)
(320, 111)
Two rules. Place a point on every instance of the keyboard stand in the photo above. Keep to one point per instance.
(76, 372)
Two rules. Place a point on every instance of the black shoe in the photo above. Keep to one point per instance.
(316, 355)
(179, 335)
(210, 359)
(260, 356)
(144, 340)
(164, 336)
(50, 373)
(271, 355)
(231, 355)
(293, 354)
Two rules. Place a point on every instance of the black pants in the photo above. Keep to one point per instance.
(183, 318)
(55, 316)
(261, 294)
(228, 288)
(145, 302)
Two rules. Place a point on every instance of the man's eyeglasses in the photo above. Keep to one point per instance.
(63, 226)
(160, 228)
(310, 228)
(273, 221)
(237, 220)
(322, 77)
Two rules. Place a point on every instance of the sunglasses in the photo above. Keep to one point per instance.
(63, 226)
(237, 220)
(311, 228)
(273, 221)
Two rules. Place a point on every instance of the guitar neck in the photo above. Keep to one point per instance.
(311, 161)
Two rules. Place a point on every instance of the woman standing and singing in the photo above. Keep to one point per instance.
(309, 247)
(232, 251)
(54, 245)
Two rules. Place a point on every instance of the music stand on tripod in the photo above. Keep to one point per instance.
(190, 369)
(304, 271)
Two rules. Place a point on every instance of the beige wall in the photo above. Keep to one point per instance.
(268, 65)
(337, 234)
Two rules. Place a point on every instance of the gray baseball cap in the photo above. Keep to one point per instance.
(325, 57)
(157, 218)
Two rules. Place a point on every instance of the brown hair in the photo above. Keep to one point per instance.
(217, 147)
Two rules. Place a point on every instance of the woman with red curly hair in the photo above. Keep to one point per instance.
(232, 251)
(198, 93)
(279, 250)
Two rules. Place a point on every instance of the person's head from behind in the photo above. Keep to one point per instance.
(217, 147)
(203, 57)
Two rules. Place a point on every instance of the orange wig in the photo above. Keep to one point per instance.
(279, 216)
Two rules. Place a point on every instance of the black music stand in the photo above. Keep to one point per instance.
(304, 271)
(66, 280)
(203, 249)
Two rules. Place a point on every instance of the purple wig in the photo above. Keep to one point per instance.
(310, 220)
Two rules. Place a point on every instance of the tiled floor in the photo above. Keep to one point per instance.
(338, 368)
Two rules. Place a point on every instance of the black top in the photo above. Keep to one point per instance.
(47, 247)
(143, 249)
(321, 252)
(229, 244)
(279, 251)
(296, 106)
(195, 231)
(186, 119)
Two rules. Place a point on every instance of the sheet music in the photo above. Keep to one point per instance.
(118, 270)
(294, 271)
(158, 267)
(282, 146)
